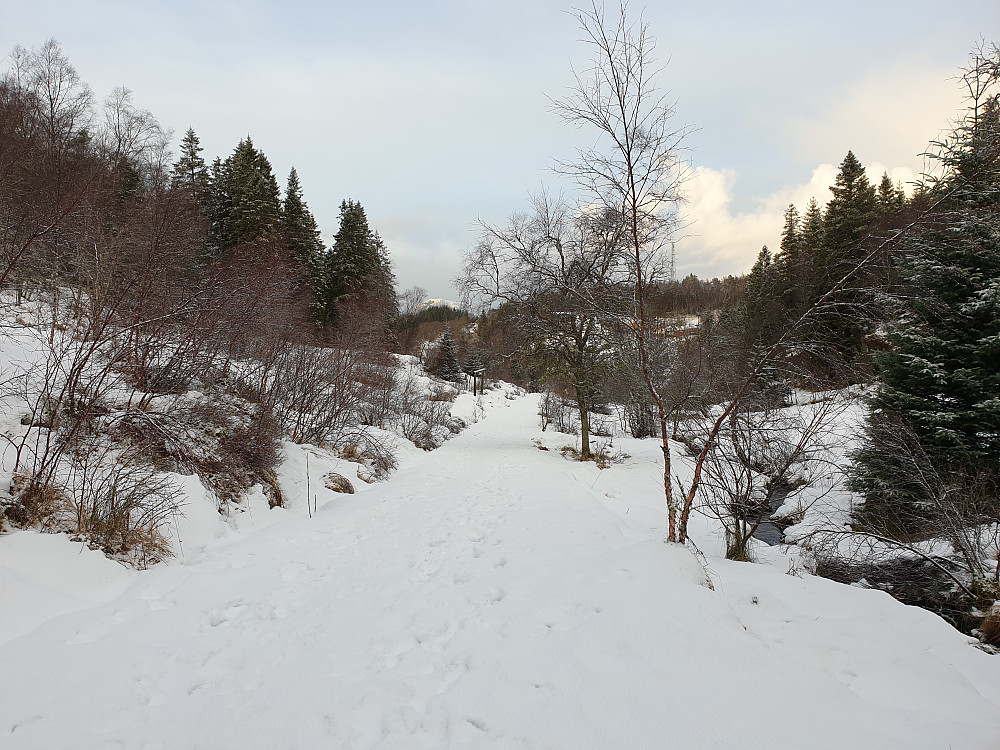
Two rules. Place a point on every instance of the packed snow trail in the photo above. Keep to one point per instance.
(491, 595)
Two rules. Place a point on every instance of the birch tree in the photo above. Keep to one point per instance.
(634, 172)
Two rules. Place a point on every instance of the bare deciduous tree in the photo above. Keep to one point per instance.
(411, 299)
(548, 266)
(635, 174)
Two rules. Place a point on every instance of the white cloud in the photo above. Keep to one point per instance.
(890, 114)
(719, 241)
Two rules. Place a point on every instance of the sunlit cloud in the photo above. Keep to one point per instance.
(889, 115)
(718, 240)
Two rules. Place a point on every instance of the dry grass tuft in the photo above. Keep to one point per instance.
(989, 628)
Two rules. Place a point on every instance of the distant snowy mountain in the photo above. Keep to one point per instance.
(435, 302)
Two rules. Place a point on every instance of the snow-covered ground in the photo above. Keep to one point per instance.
(489, 595)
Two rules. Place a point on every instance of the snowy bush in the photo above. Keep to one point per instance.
(119, 504)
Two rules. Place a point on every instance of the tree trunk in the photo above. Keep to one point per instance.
(584, 407)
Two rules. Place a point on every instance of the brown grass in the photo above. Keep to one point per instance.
(33, 505)
(989, 628)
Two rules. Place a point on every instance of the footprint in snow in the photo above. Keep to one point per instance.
(239, 610)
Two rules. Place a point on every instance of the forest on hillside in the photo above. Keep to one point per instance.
(189, 317)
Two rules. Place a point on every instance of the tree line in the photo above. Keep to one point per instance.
(183, 317)
(77, 174)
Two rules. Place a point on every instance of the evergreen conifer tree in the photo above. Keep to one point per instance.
(790, 232)
(849, 219)
(246, 202)
(792, 275)
(811, 242)
(760, 311)
(446, 366)
(298, 226)
(811, 230)
(940, 380)
(190, 173)
(850, 214)
(474, 363)
(357, 265)
(891, 198)
(354, 253)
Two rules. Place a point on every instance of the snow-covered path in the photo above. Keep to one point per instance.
(491, 595)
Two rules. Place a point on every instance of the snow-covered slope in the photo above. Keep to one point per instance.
(490, 595)
(437, 302)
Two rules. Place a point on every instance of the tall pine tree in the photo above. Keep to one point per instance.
(891, 197)
(358, 267)
(190, 173)
(245, 205)
(793, 277)
(298, 226)
(940, 382)
(847, 223)
(850, 215)
(811, 230)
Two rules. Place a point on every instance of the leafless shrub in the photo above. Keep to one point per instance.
(989, 629)
(312, 392)
(65, 391)
(253, 445)
(637, 415)
(558, 412)
(376, 390)
(420, 420)
(376, 456)
(441, 393)
(228, 442)
(763, 459)
(111, 500)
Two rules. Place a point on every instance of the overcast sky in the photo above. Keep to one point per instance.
(435, 114)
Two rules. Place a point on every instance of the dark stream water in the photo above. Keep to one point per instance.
(768, 531)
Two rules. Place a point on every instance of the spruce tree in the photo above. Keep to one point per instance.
(474, 363)
(848, 221)
(760, 312)
(891, 198)
(190, 173)
(355, 252)
(246, 202)
(811, 242)
(792, 275)
(850, 214)
(940, 381)
(298, 226)
(790, 232)
(380, 287)
(357, 265)
(446, 365)
(811, 230)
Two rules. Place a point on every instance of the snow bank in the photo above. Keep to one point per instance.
(43, 576)
(489, 595)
